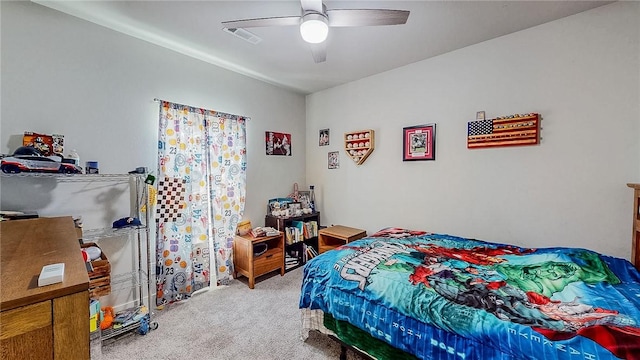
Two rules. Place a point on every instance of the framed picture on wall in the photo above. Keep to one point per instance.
(419, 142)
(334, 160)
(278, 143)
(323, 137)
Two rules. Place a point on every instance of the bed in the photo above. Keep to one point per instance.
(411, 294)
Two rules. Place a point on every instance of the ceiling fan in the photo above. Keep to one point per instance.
(315, 20)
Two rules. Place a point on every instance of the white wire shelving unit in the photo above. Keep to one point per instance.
(139, 279)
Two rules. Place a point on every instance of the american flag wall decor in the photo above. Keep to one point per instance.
(512, 130)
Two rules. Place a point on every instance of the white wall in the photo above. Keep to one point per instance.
(582, 73)
(96, 86)
(63, 75)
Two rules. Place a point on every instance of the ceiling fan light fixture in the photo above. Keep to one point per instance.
(314, 28)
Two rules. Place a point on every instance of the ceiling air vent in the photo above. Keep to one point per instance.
(243, 34)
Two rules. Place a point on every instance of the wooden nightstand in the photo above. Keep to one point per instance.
(334, 236)
(245, 263)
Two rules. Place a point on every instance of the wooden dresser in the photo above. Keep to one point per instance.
(49, 322)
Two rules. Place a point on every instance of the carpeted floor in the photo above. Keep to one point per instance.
(232, 322)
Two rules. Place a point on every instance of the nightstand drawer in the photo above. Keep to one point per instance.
(268, 261)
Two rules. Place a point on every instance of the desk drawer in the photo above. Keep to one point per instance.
(27, 332)
(271, 260)
(25, 319)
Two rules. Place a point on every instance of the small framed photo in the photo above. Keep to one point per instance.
(419, 142)
(304, 198)
(334, 160)
(294, 209)
(323, 137)
(294, 206)
(480, 115)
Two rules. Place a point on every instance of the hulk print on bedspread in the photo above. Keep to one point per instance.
(489, 293)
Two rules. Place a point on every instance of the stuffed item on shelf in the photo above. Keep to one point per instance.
(107, 320)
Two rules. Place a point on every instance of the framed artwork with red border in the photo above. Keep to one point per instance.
(419, 142)
(277, 143)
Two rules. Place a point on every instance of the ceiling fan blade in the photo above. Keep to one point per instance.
(366, 17)
(319, 51)
(311, 5)
(262, 22)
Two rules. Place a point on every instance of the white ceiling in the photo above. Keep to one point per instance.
(284, 59)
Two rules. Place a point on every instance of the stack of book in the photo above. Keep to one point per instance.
(311, 252)
(258, 232)
(310, 229)
(292, 235)
(264, 231)
(290, 261)
(299, 231)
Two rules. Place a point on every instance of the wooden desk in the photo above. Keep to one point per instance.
(251, 266)
(334, 236)
(49, 322)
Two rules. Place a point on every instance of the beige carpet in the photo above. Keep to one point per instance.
(232, 322)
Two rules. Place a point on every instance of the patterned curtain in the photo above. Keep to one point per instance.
(227, 176)
(200, 197)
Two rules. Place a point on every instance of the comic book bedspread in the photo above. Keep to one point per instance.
(445, 297)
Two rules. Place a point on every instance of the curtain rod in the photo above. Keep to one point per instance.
(223, 114)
